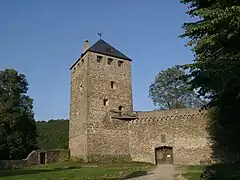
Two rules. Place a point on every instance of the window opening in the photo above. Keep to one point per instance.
(113, 85)
(120, 63)
(120, 108)
(99, 58)
(105, 102)
(110, 60)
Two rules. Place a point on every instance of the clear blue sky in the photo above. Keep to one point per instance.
(43, 38)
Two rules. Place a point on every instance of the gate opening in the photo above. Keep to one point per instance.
(164, 155)
(42, 158)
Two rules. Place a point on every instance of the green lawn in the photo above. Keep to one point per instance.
(76, 170)
(221, 172)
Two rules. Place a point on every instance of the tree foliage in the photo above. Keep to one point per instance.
(53, 134)
(17, 125)
(214, 35)
(170, 91)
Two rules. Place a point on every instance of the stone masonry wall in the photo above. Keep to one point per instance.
(184, 130)
(51, 156)
(104, 141)
(79, 109)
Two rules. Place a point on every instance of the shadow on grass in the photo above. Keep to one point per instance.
(136, 174)
(17, 172)
(221, 172)
(128, 176)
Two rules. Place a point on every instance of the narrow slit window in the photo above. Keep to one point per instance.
(99, 58)
(120, 108)
(83, 61)
(120, 63)
(113, 85)
(105, 102)
(110, 60)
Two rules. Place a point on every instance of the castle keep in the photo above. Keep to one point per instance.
(103, 125)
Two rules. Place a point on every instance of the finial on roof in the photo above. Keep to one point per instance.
(100, 35)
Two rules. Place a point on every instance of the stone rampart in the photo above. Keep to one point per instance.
(50, 156)
(184, 130)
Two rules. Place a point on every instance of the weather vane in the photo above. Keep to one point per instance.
(100, 35)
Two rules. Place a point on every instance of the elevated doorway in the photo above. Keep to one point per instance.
(164, 155)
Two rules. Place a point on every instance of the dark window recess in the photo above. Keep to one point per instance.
(120, 63)
(120, 108)
(99, 58)
(105, 102)
(82, 60)
(113, 85)
(110, 60)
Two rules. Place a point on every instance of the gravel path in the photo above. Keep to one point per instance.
(163, 172)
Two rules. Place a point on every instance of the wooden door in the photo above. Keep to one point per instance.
(164, 155)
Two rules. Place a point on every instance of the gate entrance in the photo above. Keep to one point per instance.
(164, 155)
(42, 158)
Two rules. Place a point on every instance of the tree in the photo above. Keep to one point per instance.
(17, 125)
(53, 134)
(214, 36)
(169, 91)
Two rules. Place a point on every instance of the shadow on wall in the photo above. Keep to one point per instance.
(37, 157)
(224, 132)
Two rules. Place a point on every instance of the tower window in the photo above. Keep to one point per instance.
(105, 102)
(83, 61)
(120, 108)
(99, 58)
(110, 60)
(113, 85)
(120, 63)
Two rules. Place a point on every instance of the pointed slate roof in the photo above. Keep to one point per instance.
(104, 48)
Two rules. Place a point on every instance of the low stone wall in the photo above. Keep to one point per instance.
(183, 130)
(12, 164)
(51, 156)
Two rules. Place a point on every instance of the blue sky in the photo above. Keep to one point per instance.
(43, 38)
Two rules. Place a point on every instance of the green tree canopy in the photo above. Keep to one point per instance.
(214, 35)
(53, 134)
(170, 91)
(17, 125)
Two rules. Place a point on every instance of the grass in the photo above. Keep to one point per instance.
(221, 171)
(77, 171)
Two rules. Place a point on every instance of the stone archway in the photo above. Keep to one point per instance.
(164, 155)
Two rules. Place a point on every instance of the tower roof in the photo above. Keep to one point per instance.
(104, 48)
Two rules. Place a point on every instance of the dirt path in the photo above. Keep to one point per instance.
(163, 172)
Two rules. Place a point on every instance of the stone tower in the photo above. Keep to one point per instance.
(100, 83)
